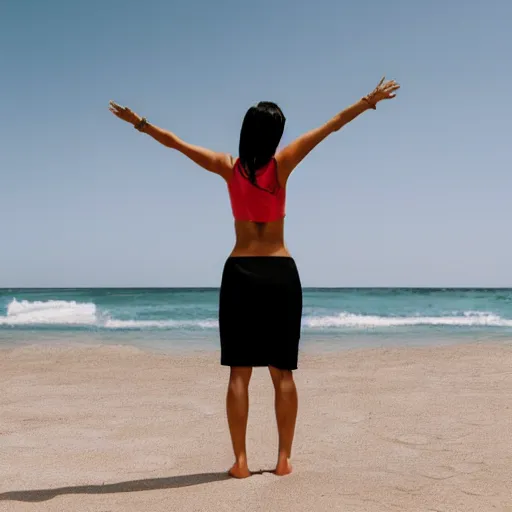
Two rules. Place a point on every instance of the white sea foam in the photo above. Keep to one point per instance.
(71, 313)
(86, 314)
(158, 324)
(468, 319)
(52, 312)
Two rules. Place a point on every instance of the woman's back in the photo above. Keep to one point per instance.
(259, 239)
(258, 207)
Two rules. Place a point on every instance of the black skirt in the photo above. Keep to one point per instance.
(260, 311)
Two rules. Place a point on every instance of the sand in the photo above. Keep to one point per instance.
(118, 429)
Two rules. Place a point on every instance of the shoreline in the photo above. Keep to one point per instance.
(310, 344)
(120, 428)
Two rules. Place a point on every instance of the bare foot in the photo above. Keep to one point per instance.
(283, 467)
(239, 471)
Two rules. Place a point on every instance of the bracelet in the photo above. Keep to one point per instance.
(370, 103)
(141, 124)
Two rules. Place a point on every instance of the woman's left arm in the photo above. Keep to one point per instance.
(213, 161)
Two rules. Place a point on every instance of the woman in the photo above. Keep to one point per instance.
(261, 296)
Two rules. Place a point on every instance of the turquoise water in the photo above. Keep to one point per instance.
(187, 318)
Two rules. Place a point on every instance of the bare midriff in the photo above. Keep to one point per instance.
(259, 239)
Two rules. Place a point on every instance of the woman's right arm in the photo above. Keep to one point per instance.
(213, 161)
(289, 157)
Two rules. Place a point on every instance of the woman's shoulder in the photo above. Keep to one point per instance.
(232, 164)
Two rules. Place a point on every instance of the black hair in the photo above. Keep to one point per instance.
(261, 132)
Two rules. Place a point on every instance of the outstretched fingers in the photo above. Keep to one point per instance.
(121, 112)
(116, 109)
(391, 88)
(386, 90)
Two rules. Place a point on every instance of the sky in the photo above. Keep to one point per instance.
(416, 193)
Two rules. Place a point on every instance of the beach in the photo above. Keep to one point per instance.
(111, 428)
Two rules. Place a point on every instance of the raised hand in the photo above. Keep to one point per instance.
(383, 91)
(123, 113)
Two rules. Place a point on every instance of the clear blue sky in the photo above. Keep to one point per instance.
(414, 194)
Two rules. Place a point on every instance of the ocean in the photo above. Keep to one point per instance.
(186, 318)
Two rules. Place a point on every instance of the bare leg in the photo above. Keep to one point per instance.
(237, 406)
(286, 403)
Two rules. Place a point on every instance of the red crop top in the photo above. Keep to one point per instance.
(264, 202)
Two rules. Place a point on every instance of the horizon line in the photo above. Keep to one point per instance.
(305, 287)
